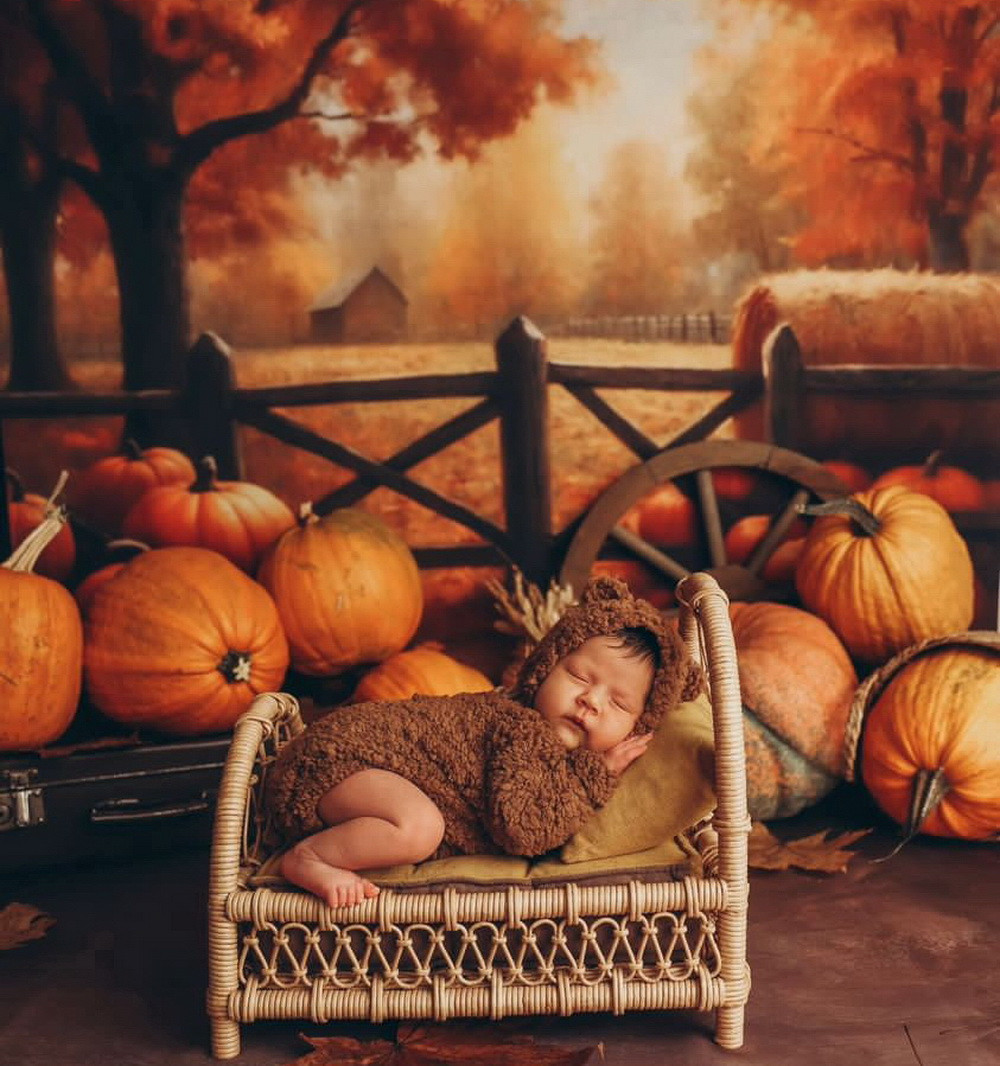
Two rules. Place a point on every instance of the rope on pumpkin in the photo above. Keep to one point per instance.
(527, 612)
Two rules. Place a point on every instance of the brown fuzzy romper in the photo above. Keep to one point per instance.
(500, 776)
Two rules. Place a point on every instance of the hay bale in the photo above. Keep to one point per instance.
(881, 318)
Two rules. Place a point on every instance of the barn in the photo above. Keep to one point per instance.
(366, 307)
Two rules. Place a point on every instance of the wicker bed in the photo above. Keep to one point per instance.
(634, 939)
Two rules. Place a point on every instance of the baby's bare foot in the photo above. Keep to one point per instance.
(343, 888)
(335, 886)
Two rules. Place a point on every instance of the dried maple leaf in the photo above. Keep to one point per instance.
(20, 922)
(441, 1045)
(815, 853)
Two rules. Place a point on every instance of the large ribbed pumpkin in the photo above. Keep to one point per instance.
(797, 682)
(180, 641)
(238, 519)
(425, 670)
(929, 750)
(888, 573)
(347, 588)
(41, 647)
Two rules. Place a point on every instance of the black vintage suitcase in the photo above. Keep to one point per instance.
(104, 803)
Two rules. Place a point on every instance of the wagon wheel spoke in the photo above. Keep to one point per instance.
(710, 517)
(776, 533)
(658, 560)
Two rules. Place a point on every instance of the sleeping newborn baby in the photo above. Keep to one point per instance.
(517, 772)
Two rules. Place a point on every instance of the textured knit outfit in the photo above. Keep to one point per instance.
(494, 767)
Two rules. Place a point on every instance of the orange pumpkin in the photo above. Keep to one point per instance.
(41, 647)
(746, 533)
(954, 488)
(929, 755)
(118, 553)
(886, 568)
(237, 519)
(102, 494)
(855, 478)
(797, 682)
(347, 588)
(667, 517)
(26, 511)
(422, 671)
(734, 483)
(181, 641)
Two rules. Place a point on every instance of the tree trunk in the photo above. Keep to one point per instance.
(145, 223)
(28, 210)
(948, 248)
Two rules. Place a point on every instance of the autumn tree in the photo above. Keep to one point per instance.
(887, 111)
(637, 243)
(162, 85)
(30, 190)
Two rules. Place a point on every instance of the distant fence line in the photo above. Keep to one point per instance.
(703, 328)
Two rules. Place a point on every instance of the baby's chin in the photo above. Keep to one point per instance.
(569, 735)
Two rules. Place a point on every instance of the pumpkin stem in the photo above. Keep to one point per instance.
(868, 525)
(929, 788)
(130, 449)
(208, 471)
(26, 554)
(932, 463)
(235, 666)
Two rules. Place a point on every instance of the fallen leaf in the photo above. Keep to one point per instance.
(819, 853)
(440, 1045)
(20, 922)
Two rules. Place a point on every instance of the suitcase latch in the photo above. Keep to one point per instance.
(21, 806)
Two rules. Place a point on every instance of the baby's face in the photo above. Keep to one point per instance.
(594, 696)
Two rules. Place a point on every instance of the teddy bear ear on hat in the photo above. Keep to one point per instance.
(605, 588)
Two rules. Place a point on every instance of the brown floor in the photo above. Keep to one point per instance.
(890, 964)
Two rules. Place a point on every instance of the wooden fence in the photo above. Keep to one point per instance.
(703, 328)
(516, 394)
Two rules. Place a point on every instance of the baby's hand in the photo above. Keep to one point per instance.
(626, 751)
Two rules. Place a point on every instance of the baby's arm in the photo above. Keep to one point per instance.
(537, 793)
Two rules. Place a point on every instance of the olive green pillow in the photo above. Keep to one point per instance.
(666, 790)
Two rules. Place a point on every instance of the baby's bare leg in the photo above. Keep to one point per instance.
(375, 818)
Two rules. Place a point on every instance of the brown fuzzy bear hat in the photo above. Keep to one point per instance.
(606, 606)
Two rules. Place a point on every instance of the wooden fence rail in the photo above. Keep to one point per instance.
(516, 395)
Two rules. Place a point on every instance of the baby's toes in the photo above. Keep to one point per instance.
(370, 890)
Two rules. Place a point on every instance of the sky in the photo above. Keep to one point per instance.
(649, 48)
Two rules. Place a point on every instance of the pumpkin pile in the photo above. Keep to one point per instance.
(215, 593)
(874, 576)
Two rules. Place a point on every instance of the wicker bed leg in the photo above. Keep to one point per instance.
(225, 1038)
(729, 1026)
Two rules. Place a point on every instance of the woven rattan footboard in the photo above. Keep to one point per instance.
(655, 941)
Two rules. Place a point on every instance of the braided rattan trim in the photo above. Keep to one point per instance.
(378, 1004)
(868, 692)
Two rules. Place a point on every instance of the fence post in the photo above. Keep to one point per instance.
(206, 401)
(524, 441)
(783, 392)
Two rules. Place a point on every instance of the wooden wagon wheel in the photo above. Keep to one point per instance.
(801, 478)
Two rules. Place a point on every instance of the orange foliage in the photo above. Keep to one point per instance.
(885, 114)
(506, 248)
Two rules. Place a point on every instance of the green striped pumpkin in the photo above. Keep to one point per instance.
(797, 683)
